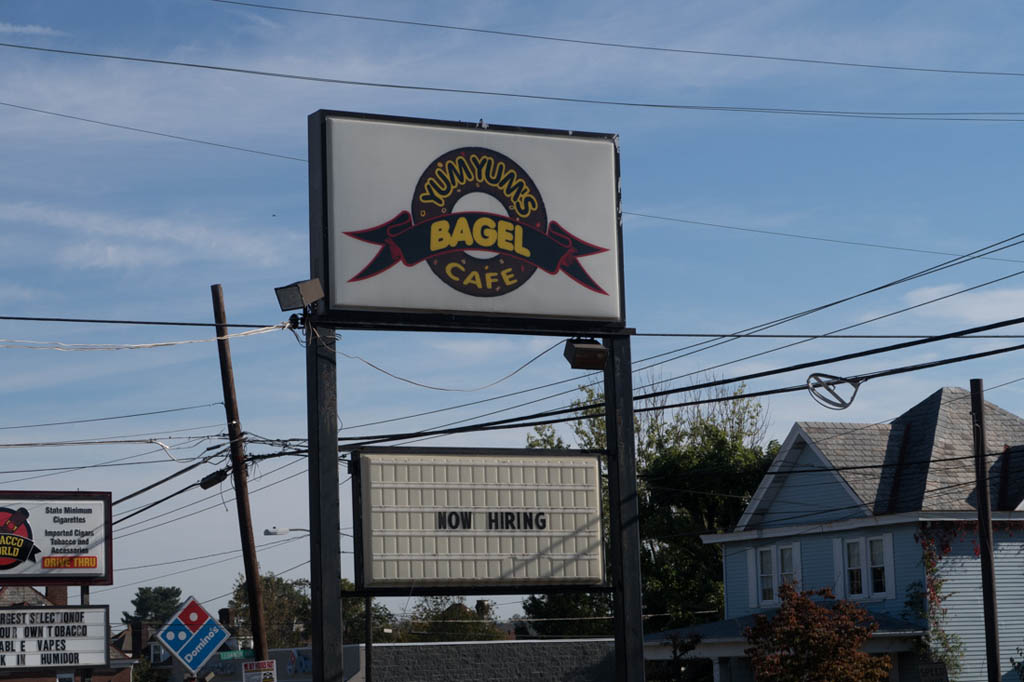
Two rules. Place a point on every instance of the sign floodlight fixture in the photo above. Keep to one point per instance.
(822, 388)
(585, 354)
(299, 295)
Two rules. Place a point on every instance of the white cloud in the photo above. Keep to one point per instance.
(29, 29)
(973, 307)
(16, 293)
(115, 240)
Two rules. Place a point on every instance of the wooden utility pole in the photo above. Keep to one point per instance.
(241, 480)
(988, 574)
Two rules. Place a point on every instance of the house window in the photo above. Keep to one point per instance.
(770, 567)
(854, 568)
(786, 574)
(876, 560)
(767, 573)
(865, 568)
(156, 654)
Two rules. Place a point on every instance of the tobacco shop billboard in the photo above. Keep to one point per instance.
(424, 223)
(445, 517)
(55, 537)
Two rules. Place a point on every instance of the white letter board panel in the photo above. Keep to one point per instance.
(447, 520)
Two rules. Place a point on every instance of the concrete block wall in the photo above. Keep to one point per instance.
(502, 661)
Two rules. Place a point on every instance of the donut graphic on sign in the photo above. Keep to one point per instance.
(478, 253)
(16, 545)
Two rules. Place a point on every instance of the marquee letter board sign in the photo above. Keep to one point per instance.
(445, 518)
(54, 637)
(429, 224)
(55, 537)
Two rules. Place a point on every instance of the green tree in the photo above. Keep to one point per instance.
(154, 605)
(448, 619)
(585, 615)
(143, 671)
(696, 468)
(353, 612)
(286, 608)
(809, 640)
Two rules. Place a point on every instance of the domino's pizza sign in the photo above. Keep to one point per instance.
(192, 635)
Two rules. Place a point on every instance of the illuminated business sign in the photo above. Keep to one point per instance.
(55, 537)
(54, 637)
(450, 518)
(428, 218)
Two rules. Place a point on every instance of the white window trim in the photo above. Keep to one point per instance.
(754, 573)
(159, 652)
(840, 568)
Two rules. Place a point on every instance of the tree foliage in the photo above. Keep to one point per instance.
(353, 612)
(154, 605)
(808, 641)
(286, 608)
(448, 619)
(586, 615)
(696, 468)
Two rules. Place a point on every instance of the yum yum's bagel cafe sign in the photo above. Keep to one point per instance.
(429, 224)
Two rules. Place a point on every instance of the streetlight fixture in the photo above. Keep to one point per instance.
(274, 530)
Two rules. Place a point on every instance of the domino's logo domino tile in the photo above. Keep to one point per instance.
(193, 635)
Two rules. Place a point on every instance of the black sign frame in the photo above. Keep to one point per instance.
(362, 590)
(327, 315)
(108, 576)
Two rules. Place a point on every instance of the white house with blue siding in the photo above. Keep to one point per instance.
(852, 508)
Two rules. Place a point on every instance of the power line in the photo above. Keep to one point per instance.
(154, 132)
(520, 422)
(106, 419)
(202, 556)
(840, 329)
(514, 422)
(228, 594)
(705, 345)
(816, 337)
(630, 46)
(23, 344)
(793, 235)
(186, 570)
(157, 323)
(993, 116)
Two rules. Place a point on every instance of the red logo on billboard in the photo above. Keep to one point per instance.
(522, 241)
(16, 545)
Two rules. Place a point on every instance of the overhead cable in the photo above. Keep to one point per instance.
(152, 323)
(538, 419)
(106, 419)
(962, 116)
(631, 46)
(793, 235)
(63, 346)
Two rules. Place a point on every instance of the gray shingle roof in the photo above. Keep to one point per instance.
(927, 456)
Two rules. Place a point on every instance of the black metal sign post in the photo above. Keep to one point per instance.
(322, 425)
(624, 512)
(324, 508)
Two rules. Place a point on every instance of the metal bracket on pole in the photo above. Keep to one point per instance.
(625, 512)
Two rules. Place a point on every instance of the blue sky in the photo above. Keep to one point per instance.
(106, 223)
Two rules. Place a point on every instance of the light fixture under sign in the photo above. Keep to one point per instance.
(299, 295)
(585, 354)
